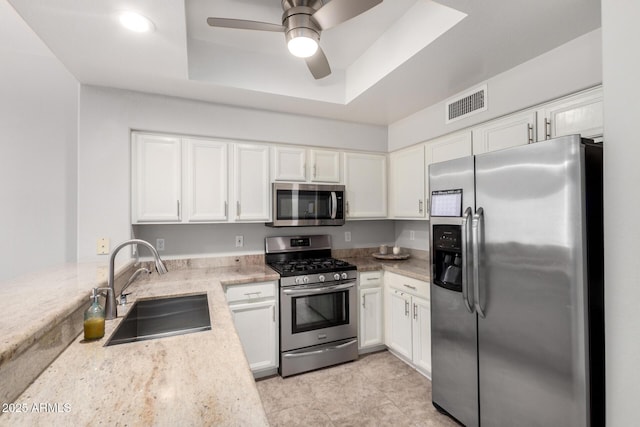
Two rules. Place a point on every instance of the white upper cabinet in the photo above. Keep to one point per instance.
(510, 131)
(365, 179)
(446, 148)
(206, 197)
(325, 165)
(407, 180)
(577, 114)
(289, 163)
(251, 182)
(156, 186)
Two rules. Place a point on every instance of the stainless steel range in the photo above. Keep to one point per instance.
(318, 325)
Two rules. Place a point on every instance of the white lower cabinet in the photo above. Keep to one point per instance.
(254, 310)
(370, 326)
(408, 320)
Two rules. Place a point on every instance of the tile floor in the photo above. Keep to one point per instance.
(376, 390)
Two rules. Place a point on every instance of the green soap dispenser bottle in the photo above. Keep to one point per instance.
(94, 318)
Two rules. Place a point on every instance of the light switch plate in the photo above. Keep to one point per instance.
(347, 236)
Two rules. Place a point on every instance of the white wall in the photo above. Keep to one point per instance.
(108, 115)
(38, 160)
(621, 69)
(420, 230)
(569, 68)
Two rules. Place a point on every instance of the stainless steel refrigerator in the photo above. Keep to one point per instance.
(517, 317)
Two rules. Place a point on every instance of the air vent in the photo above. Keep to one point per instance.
(467, 104)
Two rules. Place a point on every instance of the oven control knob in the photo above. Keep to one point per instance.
(321, 278)
(336, 276)
(343, 276)
(305, 279)
(298, 280)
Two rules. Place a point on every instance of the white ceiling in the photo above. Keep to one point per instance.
(387, 63)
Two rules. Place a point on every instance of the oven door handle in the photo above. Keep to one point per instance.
(316, 291)
(324, 350)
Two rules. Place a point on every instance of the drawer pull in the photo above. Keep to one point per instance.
(253, 293)
(409, 286)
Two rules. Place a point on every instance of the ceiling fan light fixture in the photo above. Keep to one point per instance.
(135, 22)
(302, 47)
(302, 42)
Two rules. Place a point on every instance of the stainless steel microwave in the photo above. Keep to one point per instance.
(304, 205)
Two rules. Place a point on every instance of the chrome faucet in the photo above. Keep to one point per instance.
(111, 311)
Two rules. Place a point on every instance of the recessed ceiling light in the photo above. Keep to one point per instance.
(136, 22)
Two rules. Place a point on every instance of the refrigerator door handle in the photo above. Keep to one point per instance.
(466, 223)
(476, 226)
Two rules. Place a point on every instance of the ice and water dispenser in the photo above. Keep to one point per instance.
(447, 256)
(447, 239)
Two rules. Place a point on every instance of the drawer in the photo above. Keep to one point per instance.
(251, 291)
(407, 284)
(370, 278)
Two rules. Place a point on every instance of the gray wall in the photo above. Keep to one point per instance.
(420, 231)
(621, 68)
(38, 160)
(184, 240)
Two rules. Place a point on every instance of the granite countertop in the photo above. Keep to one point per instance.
(413, 267)
(191, 379)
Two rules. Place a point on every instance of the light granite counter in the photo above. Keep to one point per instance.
(201, 378)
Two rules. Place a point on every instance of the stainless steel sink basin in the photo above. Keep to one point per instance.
(163, 317)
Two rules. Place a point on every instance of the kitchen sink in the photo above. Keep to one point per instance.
(163, 317)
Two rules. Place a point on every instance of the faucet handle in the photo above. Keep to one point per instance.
(123, 298)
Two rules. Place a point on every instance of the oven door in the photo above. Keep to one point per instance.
(317, 314)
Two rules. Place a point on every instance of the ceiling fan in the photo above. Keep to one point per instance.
(302, 23)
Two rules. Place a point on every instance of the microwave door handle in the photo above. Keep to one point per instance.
(334, 205)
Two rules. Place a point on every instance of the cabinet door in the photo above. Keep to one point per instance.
(510, 131)
(156, 192)
(256, 325)
(206, 180)
(371, 317)
(325, 166)
(446, 148)
(289, 164)
(399, 326)
(407, 168)
(365, 179)
(251, 182)
(421, 312)
(581, 113)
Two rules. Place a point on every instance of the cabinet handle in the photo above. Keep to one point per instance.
(347, 206)
(373, 278)
(363, 302)
(406, 308)
(253, 293)
(273, 313)
(530, 133)
(419, 205)
(409, 286)
(226, 209)
(314, 171)
(178, 206)
(415, 311)
(547, 128)
(428, 205)
(238, 209)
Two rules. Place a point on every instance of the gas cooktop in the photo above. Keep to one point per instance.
(310, 265)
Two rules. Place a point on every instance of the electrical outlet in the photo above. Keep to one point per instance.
(239, 241)
(160, 245)
(412, 235)
(102, 246)
(347, 236)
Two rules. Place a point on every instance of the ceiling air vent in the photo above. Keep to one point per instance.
(467, 104)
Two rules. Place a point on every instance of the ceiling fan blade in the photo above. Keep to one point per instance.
(244, 24)
(338, 11)
(318, 64)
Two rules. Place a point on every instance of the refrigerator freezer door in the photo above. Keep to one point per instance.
(453, 325)
(531, 344)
